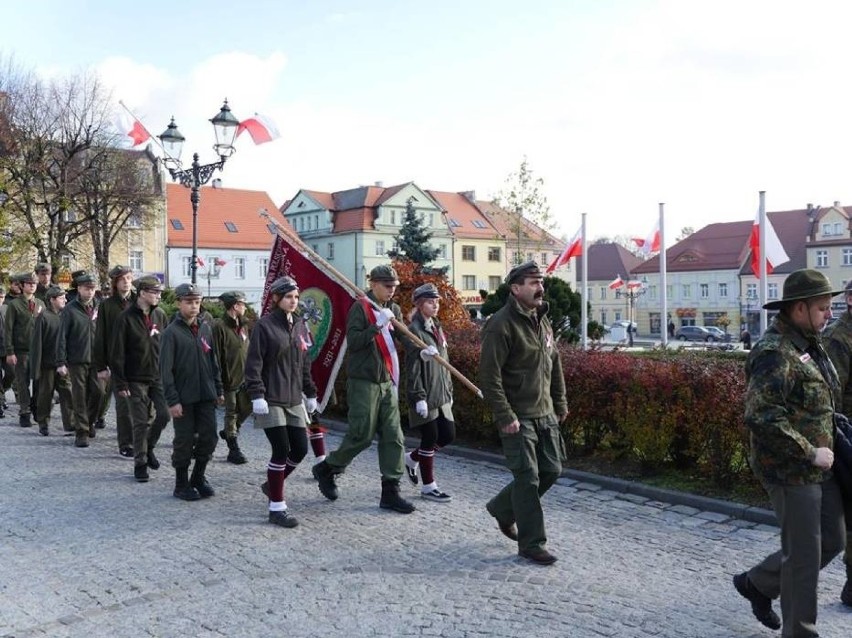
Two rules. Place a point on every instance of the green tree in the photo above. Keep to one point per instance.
(523, 197)
(412, 242)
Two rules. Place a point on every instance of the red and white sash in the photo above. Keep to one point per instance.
(384, 342)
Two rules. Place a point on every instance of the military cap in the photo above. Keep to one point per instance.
(187, 291)
(283, 285)
(384, 273)
(43, 268)
(426, 291)
(232, 297)
(24, 278)
(519, 273)
(74, 275)
(803, 284)
(148, 283)
(118, 270)
(53, 292)
(85, 279)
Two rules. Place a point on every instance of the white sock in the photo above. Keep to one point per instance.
(410, 462)
(429, 488)
(279, 506)
(320, 458)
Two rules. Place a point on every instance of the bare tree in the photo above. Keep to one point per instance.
(523, 197)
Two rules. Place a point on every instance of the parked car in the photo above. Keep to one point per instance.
(718, 333)
(694, 333)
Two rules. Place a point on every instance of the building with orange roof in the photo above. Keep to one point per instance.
(230, 230)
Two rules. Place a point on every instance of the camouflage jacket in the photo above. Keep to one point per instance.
(789, 405)
(838, 343)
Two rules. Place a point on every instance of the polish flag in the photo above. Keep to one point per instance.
(616, 283)
(133, 129)
(573, 249)
(219, 262)
(775, 253)
(199, 261)
(633, 284)
(651, 244)
(261, 128)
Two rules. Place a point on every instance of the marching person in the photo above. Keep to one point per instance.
(43, 364)
(7, 373)
(134, 364)
(43, 273)
(371, 392)
(20, 319)
(789, 409)
(278, 381)
(75, 356)
(192, 385)
(429, 392)
(230, 340)
(522, 381)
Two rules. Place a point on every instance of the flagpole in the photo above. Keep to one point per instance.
(763, 284)
(584, 309)
(664, 295)
(357, 292)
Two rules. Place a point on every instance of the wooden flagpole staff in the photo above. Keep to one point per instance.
(356, 291)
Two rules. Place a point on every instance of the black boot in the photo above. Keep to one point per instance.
(391, 500)
(153, 461)
(43, 429)
(324, 474)
(140, 472)
(24, 421)
(846, 594)
(183, 490)
(100, 424)
(235, 455)
(92, 433)
(199, 482)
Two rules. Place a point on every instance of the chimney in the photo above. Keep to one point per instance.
(837, 203)
(217, 183)
(380, 184)
(470, 195)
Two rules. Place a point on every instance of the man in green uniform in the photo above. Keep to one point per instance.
(789, 409)
(230, 339)
(372, 393)
(43, 364)
(521, 379)
(838, 344)
(43, 274)
(20, 318)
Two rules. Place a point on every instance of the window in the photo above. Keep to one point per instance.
(544, 259)
(494, 283)
(454, 223)
(772, 291)
(529, 256)
(263, 266)
(186, 266)
(723, 290)
(239, 267)
(213, 268)
(705, 291)
(603, 317)
(308, 222)
(478, 223)
(669, 290)
(751, 291)
(134, 221)
(652, 292)
(826, 229)
(603, 292)
(393, 217)
(618, 315)
(316, 222)
(847, 256)
(686, 291)
(330, 251)
(231, 226)
(469, 253)
(301, 224)
(838, 228)
(65, 260)
(494, 253)
(516, 257)
(822, 259)
(135, 259)
(442, 251)
(315, 248)
(176, 224)
(468, 282)
(431, 219)
(380, 248)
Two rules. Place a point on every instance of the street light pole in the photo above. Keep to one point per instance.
(225, 126)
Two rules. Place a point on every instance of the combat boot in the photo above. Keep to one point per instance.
(846, 594)
(235, 455)
(183, 490)
(43, 429)
(391, 500)
(24, 421)
(153, 461)
(81, 438)
(324, 474)
(199, 482)
(92, 433)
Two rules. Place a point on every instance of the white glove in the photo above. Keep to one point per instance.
(311, 405)
(428, 352)
(259, 406)
(421, 408)
(823, 458)
(385, 315)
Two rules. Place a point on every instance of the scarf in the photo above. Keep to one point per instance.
(384, 342)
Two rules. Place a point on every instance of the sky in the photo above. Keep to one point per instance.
(617, 105)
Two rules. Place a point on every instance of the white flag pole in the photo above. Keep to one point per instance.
(584, 308)
(664, 296)
(763, 284)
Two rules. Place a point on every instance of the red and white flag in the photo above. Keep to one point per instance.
(132, 128)
(633, 284)
(775, 253)
(261, 128)
(573, 249)
(199, 261)
(616, 283)
(219, 262)
(651, 243)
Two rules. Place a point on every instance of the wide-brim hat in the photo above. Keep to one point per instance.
(803, 284)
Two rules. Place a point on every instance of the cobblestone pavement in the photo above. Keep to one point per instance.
(87, 551)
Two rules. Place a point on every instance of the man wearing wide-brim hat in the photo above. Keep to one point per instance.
(789, 409)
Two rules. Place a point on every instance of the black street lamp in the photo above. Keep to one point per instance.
(225, 127)
(632, 293)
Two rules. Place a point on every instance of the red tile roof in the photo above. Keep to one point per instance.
(217, 207)
(463, 217)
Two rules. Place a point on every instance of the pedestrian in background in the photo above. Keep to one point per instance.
(230, 340)
(278, 381)
(20, 319)
(372, 387)
(522, 381)
(44, 363)
(192, 385)
(134, 364)
(429, 392)
(789, 410)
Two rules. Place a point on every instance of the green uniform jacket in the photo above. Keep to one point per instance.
(76, 334)
(837, 340)
(135, 350)
(44, 344)
(19, 324)
(789, 405)
(520, 372)
(108, 313)
(364, 360)
(427, 380)
(188, 366)
(230, 339)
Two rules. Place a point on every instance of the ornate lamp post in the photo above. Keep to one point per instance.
(635, 289)
(225, 127)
